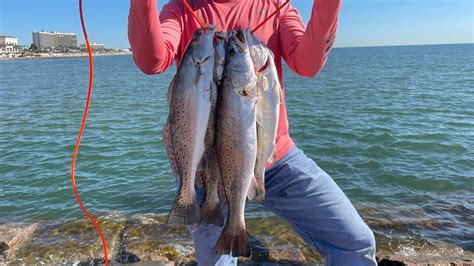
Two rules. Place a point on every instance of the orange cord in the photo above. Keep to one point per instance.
(193, 14)
(270, 16)
(78, 141)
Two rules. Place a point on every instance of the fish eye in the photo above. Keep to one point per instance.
(198, 32)
(231, 52)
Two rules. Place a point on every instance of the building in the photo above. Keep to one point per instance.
(94, 46)
(43, 39)
(9, 44)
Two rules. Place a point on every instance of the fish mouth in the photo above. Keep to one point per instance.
(220, 36)
(210, 27)
(239, 40)
(206, 30)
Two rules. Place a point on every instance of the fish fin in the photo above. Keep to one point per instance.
(198, 179)
(253, 192)
(200, 172)
(166, 136)
(201, 167)
(184, 213)
(233, 242)
(212, 214)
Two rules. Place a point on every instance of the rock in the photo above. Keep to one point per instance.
(415, 246)
(413, 250)
(149, 238)
(396, 260)
(284, 254)
(273, 240)
(12, 237)
(72, 242)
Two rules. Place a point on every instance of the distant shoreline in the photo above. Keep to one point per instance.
(63, 55)
(402, 45)
(58, 56)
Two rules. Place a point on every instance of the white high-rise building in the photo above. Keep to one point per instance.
(43, 39)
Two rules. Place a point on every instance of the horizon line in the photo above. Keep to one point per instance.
(399, 45)
(383, 45)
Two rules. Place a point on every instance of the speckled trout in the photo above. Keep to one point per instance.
(268, 103)
(236, 141)
(184, 132)
(211, 209)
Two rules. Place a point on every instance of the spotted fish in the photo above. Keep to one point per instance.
(236, 141)
(211, 208)
(189, 95)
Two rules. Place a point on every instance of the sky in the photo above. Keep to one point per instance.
(362, 22)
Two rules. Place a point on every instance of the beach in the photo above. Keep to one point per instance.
(57, 55)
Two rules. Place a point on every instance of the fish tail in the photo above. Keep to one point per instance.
(184, 213)
(233, 241)
(212, 213)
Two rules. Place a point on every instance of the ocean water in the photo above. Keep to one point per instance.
(394, 126)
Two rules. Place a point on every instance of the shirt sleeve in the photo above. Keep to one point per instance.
(154, 39)
(305, 50)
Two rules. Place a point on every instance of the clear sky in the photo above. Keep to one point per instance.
(362, 22)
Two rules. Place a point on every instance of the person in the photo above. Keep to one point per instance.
(297, 190)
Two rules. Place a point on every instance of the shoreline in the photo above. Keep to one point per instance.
(59, 56)
(146, 239)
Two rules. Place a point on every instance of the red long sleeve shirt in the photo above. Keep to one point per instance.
(158, 40)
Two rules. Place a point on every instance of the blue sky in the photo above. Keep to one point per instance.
(362, 22)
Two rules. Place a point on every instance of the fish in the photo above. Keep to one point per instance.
(268, 104)
(236, 141)
(211, 209)
(189, 96)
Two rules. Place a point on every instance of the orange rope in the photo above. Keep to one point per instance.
(270, 16)
(193, 14)
(78, 141)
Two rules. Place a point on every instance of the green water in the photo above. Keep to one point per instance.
(394, 126)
